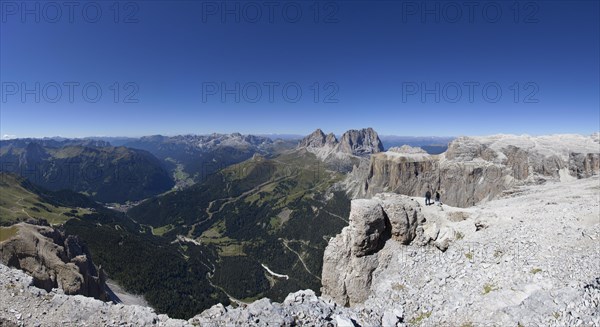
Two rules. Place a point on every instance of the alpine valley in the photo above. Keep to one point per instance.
(235, 229)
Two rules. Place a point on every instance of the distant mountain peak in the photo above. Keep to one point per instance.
(360, 142)
(331, 139)
(353, 142)
(315, 139)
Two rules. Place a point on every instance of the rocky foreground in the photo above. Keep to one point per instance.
(529, 258)
(23, 304)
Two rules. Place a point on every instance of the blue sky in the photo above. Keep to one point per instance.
(396, 66)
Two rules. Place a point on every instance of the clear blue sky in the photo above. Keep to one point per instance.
(377, 57)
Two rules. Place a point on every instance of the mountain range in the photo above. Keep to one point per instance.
(263, 222)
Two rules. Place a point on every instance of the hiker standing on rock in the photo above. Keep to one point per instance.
(437, 197)
(428, 198)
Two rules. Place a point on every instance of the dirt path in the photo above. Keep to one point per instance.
(23, 207)
(337, 216)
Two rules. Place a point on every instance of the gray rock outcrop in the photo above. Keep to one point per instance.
(26, 305)
(583, 165)
(372, 222)
(315, 139)
(54, 261)
(529, 259)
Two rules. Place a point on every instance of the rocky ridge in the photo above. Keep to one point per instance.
(54, 260)
(28, 305)
(353, 142)
(206, 142)
(528, 257)
(353, 147)
(476, 169)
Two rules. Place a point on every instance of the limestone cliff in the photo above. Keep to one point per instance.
(476, 169)
(53, 260)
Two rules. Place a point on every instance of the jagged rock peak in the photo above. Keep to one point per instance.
(331, 139)
(316, 139)
(354, 142)
(359, 142)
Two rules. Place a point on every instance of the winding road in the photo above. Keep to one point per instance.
(285, 243)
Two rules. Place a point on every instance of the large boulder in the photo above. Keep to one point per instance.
(404, 215)
(367, 227)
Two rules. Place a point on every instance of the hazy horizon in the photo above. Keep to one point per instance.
(276, 135)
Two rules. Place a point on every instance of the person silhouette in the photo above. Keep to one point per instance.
(428, 198)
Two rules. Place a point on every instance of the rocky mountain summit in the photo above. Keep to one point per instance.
(529, 258)
(354, 147)
(476, 169)
(353, 142)
(525, 254)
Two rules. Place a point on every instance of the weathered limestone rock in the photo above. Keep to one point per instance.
(352, 256)
(367, 227)
(404, 215)
(477, 169)
(584, 165)
(316, 139)
(360, 142)
(53, 261)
